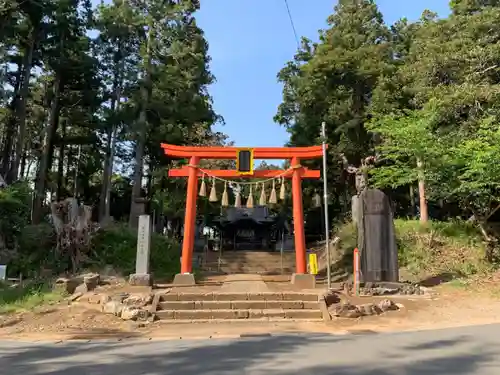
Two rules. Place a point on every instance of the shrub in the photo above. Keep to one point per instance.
(36, 251)
(453, 247)
(117, 246)
(14, 212)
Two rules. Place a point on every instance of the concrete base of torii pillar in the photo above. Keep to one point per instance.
(303, 281)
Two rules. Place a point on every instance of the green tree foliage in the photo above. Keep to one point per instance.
(88, 90)
(333, 81)
(421, 95)
(88, 94)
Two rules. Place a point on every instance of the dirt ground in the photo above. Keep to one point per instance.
(454, 305)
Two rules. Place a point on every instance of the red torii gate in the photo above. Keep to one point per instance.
(192, 171)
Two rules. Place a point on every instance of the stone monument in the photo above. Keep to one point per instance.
(372, 214)
(376, 238)
(142, 277)
(361, 180)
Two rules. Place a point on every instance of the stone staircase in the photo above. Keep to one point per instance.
(250, 262)
(216, 306)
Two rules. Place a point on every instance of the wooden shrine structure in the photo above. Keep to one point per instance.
(194, 172)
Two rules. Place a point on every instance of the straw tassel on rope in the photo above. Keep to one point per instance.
(237, 197)
(203, 188)
(213, 192)
(225, 198)
(250, 198)
(272, 198)
(263, 197)
(282, 189)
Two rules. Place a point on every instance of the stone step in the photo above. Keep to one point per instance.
(238, 305)
(253, 254)
(264, 262)
(299, 314)
(222, 296)
(250, 321)
(250, 259)
(225, 271)
(255, 258)
(274, 262)
(252, 263)
(249, 271)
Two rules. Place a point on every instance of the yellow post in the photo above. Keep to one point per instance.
(313, 264)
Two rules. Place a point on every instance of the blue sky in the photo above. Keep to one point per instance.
(250, 41)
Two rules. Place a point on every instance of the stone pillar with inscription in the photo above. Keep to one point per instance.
(142, 277)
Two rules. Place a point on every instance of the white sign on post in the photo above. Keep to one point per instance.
(143, 245)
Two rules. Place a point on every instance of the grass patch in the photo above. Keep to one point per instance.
(451, 250)
(27, 297)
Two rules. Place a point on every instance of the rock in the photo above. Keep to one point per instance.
(425, 290)
(345, 310)
(143, 315)
(129, 313)
(95, 299)
(369, 309)
(380, 291)
(138, 300)
(120, 297)
(133, 300)
(113, 307)
(75, 296)
(66, 285)
(365, 291)
(387, 305)
(140, 279)
(332, 298)
(104, 299)
(91, 280)
(82, 288)
(152, 317)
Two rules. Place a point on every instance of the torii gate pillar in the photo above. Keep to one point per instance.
(296, 173)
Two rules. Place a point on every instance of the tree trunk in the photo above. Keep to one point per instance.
(60, 162)
(11, 128)
(110, 152)
(53, 137)
(141, 136)
(23, 165)
(104, 202)
(76, 187)
(21, 107)
(41, 180)
(412, 202)
(107, 207)
(424, 213)
(105, 173)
